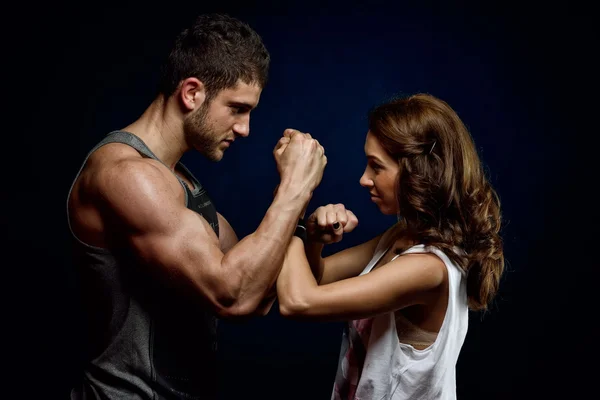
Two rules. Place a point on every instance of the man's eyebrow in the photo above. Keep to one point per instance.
(241, 104)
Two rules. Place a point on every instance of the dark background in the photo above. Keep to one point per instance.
(519, 75)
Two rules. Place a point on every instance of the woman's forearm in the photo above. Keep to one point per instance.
(295, 281)
(313, 252)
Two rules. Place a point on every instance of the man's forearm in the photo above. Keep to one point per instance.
(254, 263)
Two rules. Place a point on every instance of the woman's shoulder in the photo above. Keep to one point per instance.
(387, 237)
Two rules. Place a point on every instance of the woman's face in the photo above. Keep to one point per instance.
(381, 176)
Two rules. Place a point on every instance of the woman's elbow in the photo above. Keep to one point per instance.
(290, 307)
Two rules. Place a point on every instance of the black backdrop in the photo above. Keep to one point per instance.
(517, 74)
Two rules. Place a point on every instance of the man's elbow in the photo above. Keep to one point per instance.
(265, 305)
(240, 308)
(226, 298)
(263, 312)
(229, 300)
(236, 309)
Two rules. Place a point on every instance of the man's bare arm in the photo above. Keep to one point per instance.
(227, 239)
(227, 236)
(171, 238)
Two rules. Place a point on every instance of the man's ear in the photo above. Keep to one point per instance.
(192, 93)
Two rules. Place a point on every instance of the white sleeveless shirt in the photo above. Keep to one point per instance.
(375, 365)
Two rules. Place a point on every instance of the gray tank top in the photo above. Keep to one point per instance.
(145, 339)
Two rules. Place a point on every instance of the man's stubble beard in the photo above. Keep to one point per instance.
(200, 135)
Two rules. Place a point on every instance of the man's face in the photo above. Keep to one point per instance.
(215, 125)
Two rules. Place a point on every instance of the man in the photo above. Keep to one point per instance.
(158, 264)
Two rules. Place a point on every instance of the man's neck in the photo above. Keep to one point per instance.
(161, 129)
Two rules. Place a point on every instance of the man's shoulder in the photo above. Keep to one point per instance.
(116, 161)
(116, 172)
(111, 153)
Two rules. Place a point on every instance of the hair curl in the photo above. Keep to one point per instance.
(444, 196)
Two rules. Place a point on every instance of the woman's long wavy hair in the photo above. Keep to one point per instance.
(444, 196)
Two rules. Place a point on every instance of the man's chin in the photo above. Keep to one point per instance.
(214, 155)
(217, 155)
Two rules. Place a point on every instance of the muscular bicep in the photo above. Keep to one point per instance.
(189, 254)
(163, 234)
(349, 262)
(227, 236)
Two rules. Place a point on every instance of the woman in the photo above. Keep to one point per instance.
(406, 292)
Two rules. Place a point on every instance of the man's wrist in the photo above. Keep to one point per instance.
(290, 203)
